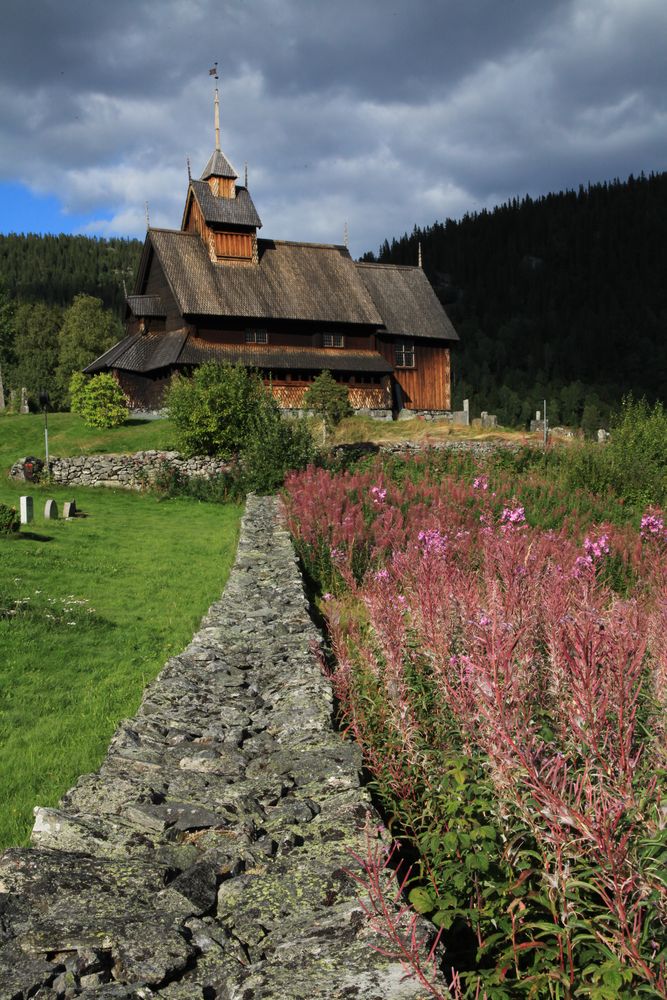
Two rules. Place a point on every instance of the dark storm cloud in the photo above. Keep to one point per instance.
(378, 112)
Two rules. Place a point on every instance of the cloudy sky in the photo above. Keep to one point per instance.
(379, 113)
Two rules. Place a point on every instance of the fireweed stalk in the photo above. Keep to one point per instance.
(489, 665)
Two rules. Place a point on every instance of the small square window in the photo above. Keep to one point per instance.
(332, 340)
(405, 354)
(256, 337)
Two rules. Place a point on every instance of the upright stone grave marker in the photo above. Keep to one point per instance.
(51, 510)
(69, 508)
(26, 508)
(24, 401)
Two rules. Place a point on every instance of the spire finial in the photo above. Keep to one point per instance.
(189, 171)
(346, 235)
(217, 120)
(245, 174)
(148, 218)
(214, 72)
(419, 254)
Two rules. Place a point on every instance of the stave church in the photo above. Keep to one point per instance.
(214, 290)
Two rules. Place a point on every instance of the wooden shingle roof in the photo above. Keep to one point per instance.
(142, 352)
(218, 166)
(297, 281)
(148, 352)
(146, 305)
(238, 211)
(406, 301)
(281, 357)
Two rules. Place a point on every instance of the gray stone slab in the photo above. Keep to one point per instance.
(26, 507)
(51, 510)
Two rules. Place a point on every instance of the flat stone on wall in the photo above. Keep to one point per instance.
(209, 857)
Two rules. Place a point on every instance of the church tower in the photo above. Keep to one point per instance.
(222, 211)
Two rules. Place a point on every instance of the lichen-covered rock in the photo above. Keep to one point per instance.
(212, 855)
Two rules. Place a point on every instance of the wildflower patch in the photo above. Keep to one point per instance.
(507, 683)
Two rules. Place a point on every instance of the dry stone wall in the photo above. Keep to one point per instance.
(129, 472)
(209, 857)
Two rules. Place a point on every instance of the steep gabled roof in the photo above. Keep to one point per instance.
(238, 211)
(142, 352)
(298, 281)
(109, 358)
(218, 166)
(406, 301)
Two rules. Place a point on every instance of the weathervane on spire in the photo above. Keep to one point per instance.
(214, 73)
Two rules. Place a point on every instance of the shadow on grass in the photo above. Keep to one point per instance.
(30, 536)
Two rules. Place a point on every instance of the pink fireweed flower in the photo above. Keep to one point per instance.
(596, 548)
(379, 494)
(337, 555)
(480, 483)
(327, 597)
(513, 517)
(432, 542)
(652, 526)
(382, 574)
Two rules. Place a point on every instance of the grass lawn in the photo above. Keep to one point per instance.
(104, 601)
(23, 434)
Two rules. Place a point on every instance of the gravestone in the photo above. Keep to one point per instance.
(69, 508)
(26, 508)
(24, 401)
(51, 510)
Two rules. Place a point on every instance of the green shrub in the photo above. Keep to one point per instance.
(633, 462)
(276, 446)
(328, 399)
(226, 411)
(214, 410)
(99, 400)
(10, 522)
(77, 392)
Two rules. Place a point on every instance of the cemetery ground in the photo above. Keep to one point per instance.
(90, 609)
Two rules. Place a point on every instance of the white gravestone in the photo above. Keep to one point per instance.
(51, 510)
(26, 508)
(69, 508)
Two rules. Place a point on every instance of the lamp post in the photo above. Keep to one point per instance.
(44, 403)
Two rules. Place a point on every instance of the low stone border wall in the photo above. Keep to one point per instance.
(208, 858)
(128, 472)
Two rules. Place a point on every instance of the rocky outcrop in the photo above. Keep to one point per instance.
(209, 857)
(129, 472)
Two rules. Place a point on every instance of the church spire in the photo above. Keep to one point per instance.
(217, 120)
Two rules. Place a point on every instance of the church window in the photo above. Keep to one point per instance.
(405, 354)
(256, 337)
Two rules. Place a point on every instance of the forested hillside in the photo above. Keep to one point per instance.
(562, 297)
(62, 300)
(53, 269)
